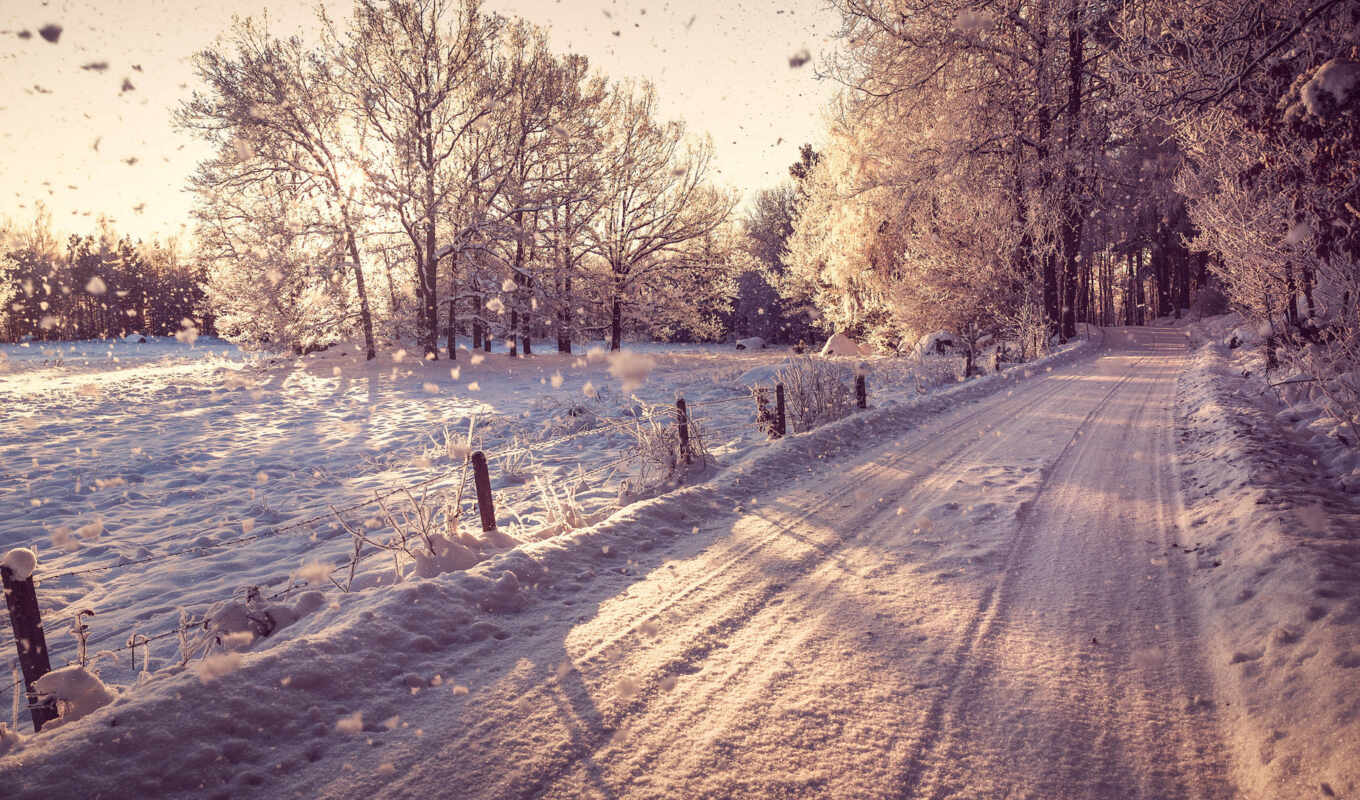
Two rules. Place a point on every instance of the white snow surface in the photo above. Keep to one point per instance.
(21, 562)
(77, 690)
(177, 437)
(1114, 573)
(1272, 511)
(1336, 78)
(115, 452)
(932, 342)
(840, 345)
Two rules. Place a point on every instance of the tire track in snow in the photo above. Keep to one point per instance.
(936, 480)
(987, 620)
(939, 477)
(1097, 720)
(735, 608)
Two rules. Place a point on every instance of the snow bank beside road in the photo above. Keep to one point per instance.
(1272, 533)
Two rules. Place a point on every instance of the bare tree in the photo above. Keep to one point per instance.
(657, 198)
(415, 71)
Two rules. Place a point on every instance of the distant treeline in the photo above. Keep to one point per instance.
(93, 286)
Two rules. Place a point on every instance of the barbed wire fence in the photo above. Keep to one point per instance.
(688, 429)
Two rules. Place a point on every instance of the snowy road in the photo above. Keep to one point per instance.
(982, 607)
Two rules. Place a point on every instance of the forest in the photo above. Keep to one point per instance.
(96, 286)
(1019, 167)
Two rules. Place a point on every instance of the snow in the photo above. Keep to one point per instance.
(1335, 81)
(78, 692)
(954, 593)
(840, 345)
(21, 562)
(631, 368)
(190, 447)
(183, 445)
(1271, 513)
(937, 342)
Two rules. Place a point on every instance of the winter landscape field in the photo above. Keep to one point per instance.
(979, 522)
(524, 399)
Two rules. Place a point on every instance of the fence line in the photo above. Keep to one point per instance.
(686, 424)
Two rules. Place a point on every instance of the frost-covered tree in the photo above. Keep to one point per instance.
(656, 200)
(1265, 101)
(572, 192)
(416, 71)
(279, 106)
(273, 277)
(953, 113)
(9, 291)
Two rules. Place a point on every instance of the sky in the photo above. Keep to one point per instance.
(85, 121)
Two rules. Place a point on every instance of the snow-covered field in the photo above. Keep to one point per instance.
(192, 471)
(992, 588)
(182, 443)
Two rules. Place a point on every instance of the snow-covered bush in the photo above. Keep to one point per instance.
(9, 739)
(657, 451)
(1028, 328)
(816, 392)
(1332, 366)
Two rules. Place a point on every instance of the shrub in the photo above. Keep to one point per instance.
(816, 392)
(1210, 302)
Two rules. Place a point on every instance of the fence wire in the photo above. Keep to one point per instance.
(663, 413)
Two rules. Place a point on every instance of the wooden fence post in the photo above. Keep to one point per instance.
(682, 420)
(22, 600)
(861, 393)
(764, 416)
(779, 428)
(481, 481)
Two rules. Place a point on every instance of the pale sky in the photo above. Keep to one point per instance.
(74, 138)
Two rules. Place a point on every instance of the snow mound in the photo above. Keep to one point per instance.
(21, 562)
(935, 343)
(1335, 81)
(9, 740)
(840, 345)
(1269, 532)
(763, 375)
(447, 556)
(78, 692)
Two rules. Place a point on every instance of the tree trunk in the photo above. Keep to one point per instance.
(1140, 308)
(365, 315)
(429, 334)
(1162, 269)
(1130, 294)
(564, 317)
(453, 314)
(452, 332)
(526, 328)
(1291, 306)
(616, 323)
(1073, 216)
(1052, 311)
